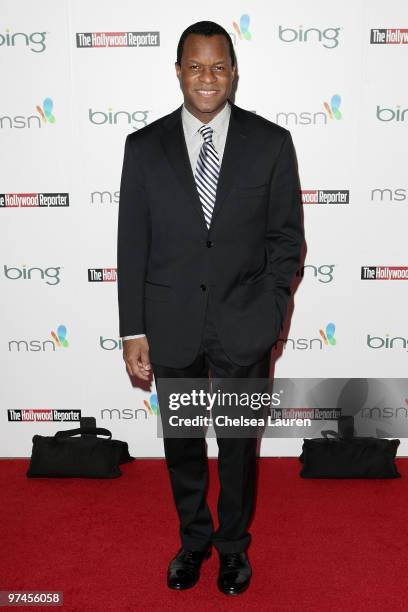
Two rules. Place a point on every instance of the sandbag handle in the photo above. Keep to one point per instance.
(345, 431)
(87, 428)
(68, 433)
(345, 426)
(326, 432)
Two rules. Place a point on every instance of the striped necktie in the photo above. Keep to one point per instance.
(206, 174)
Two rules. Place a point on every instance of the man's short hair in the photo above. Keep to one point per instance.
(205, 28)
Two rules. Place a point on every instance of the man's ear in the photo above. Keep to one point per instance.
(178, 69)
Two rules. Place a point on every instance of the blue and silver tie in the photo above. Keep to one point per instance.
(206, 174)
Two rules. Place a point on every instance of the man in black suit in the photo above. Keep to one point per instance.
(209, 239)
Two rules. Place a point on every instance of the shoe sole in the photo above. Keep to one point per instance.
(231, 593)
(182, 588)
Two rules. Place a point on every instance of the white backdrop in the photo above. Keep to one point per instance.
(60, 133)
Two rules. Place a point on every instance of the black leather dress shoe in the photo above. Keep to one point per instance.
(184, 568)
(235, 573)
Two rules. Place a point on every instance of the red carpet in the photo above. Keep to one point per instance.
(318, 545)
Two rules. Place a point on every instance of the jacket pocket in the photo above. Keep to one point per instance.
(260, 284)
(251, 190)
(157, 292)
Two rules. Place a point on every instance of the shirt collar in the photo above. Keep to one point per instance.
(191, 124)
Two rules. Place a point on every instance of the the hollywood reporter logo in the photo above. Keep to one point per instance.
(86, 40)
(325, 196)
(34, 200)
(102, 275)
(389, 36)
(42, 415)
(384, 273)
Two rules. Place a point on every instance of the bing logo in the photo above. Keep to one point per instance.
(46, 111)
(152, 404)
(243, 28)
(328, 337)
(333, 108)
(60, 337)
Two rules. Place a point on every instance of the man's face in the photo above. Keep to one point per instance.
(206, 74)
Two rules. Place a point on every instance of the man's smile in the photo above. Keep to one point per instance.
(206, 92)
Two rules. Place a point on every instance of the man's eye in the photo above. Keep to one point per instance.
(194, 66)
(220, 67)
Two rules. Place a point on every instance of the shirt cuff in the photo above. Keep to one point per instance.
(135, 336)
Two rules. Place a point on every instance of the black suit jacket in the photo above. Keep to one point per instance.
(169, 262)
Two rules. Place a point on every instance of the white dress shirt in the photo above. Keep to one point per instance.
(194, 140)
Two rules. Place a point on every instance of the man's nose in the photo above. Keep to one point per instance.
(207, 75)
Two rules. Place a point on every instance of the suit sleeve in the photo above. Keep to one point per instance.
(133, 243)
(284, 234)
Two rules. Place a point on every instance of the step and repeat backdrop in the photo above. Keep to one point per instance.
(76, 77)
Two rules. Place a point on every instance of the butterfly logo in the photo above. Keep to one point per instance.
(333, 109)
(61, 336)
(152, 404)
(243, 28)
(46, 111)
(328, 337)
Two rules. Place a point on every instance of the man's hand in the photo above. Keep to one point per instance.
(136, 357)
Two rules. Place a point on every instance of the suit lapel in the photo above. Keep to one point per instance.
(232, 160)
(175, 147)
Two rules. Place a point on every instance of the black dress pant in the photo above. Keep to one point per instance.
(186, 458)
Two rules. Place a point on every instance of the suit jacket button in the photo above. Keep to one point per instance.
(209, 243)
(203, 287)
